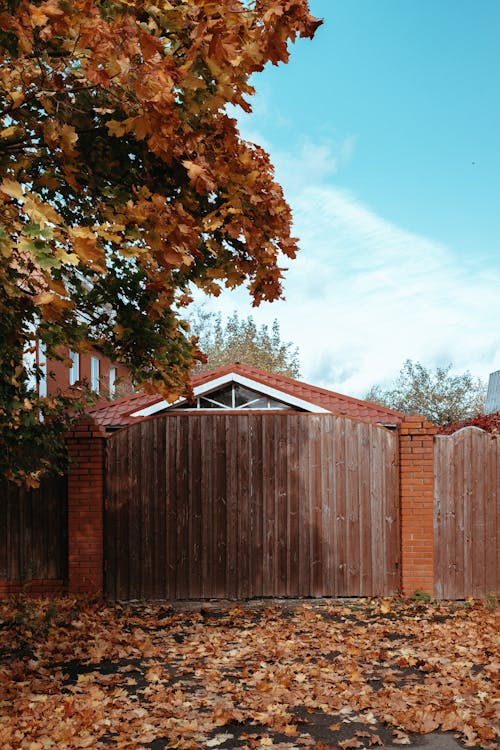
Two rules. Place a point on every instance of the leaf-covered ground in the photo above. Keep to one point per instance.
(320, 674)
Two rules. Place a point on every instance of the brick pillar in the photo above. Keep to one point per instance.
(417, 504)
(86, 449)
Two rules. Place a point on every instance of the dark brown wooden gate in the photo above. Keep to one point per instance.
(466, 514)
(251, 505)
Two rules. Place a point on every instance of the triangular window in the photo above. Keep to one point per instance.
(236, 396)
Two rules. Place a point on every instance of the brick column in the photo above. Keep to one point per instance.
(86, 449)
(417, 504)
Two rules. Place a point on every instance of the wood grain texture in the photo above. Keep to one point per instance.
(251, 505)
(466, 514)
(34, 531)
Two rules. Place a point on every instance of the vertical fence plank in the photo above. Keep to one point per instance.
(293, 492)
(304, 503)
(194, 478)
(268, 525)
(231, 507)
(352, 508)
(377, 506)
(257, 508)
(318, 550)
(182, 508)
(243, 490)
(281, 505)
(327, 508)
(160, 482)
(475, 564)
(389, 493)
(341, 490)
(366, 529)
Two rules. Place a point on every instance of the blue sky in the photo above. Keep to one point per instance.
(385, 134)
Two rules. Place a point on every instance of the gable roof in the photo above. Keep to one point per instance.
(115, 414)
(131, 409)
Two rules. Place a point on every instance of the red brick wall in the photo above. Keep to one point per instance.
(86, 448)
(417, 504)
(60, 373)
(32, 587)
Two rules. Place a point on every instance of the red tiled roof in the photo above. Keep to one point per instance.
(118, 413)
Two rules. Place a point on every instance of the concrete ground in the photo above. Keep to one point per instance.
(434, 741)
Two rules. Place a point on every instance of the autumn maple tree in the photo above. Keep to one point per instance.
(124, 180)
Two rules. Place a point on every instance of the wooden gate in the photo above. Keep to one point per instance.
(251, 505)
(466, 514)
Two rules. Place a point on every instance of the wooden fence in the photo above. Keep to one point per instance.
(467, 514)
(251, 505)
(33, 532)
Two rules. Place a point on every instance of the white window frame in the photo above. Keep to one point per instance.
(29, 364)
(94, 374)
(42, 364)
(112, 381)
(247, 405)
(74, 370)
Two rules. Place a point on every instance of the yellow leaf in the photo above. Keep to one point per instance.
(17, 97)
(69, 139)
(71, 258)
(44, 298)
(8, 132)
(84, 243)
(116, 128)
(84, 741)
(85, 677)
(12, 188)
(41, 213)
(38, 17)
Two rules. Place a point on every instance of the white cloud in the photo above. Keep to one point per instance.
(365, 294)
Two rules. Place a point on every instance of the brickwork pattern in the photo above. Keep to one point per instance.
(33, 587)
(86, 448)
(416, 448)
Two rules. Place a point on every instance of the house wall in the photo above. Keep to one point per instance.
(61, 373)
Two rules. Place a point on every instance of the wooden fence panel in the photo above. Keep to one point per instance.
(467, 514)
(251, 505)
(34, 531)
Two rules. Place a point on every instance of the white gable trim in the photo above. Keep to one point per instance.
(234, 377)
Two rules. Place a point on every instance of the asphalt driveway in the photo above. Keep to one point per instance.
(310, 674)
